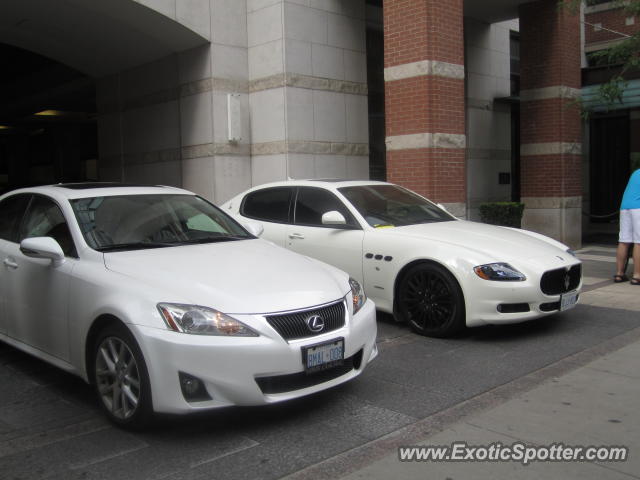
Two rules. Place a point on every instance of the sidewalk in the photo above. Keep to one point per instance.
(596, 404)
(588, 399)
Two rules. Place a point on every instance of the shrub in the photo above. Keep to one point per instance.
(507, 214)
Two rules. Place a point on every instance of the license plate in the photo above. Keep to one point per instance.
(568, 300)
(323, 355)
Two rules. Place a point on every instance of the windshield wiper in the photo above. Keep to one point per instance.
(134, 246)
(222, 238)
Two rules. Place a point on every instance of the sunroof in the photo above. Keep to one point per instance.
(328, 180)
(89, 185)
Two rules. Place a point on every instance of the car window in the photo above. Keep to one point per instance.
(45, 219)
(270, 204)
(127, 222)
(11, 212)
(312, 203)
(393, 206)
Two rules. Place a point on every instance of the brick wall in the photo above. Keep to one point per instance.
(424, 104)
(614, 19)
(426, 31)
(550, 61)
(549, 46)
(422, 29)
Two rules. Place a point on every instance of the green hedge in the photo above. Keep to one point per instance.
(508, 214)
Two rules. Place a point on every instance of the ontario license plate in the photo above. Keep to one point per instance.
(323, 355)
(568, 300)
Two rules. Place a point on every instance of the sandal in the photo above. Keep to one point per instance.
(634, 281)
(622, 278)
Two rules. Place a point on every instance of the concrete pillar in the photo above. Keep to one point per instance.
(424, 98)
(551, 163)
(166, 122)
(308, 89)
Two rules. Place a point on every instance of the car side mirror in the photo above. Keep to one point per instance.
(42, 247)
(333, 218)
(255, 228)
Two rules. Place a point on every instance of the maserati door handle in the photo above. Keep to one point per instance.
(10, 263)
(296, 235)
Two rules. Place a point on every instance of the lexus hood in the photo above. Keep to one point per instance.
(241, 277)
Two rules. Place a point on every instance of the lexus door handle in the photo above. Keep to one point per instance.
(10, 263)
(296, 235)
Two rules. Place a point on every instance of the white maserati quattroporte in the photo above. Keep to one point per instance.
(167, 304)
(413, 258)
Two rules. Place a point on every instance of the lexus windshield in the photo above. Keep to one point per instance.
(393, 206)
(129, 222)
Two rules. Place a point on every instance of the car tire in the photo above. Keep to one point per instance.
(121, 379)
(430, 300)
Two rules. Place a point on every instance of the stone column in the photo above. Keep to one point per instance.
(308, 89)
(424, 99)
(551, 148)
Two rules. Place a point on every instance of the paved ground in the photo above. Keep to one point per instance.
(50, 426)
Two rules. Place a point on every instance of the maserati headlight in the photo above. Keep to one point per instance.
(199, 320)
(357, 293)
(499, 271)
(572, 253)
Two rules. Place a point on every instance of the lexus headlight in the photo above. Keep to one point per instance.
(199, 320)
(357, 293)
(499, 271)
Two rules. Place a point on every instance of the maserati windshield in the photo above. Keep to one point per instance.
(393, 206)
(130, 222)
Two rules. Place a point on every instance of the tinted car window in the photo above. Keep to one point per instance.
(44, 219)
(11, 212)
(127, 222)
(271, 204)
(312, 203)
(391, 205)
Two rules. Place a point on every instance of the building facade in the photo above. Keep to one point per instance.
(460, 100)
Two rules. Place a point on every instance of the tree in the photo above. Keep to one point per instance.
(625, 54)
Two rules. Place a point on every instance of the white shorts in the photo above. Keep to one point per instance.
(630, 226)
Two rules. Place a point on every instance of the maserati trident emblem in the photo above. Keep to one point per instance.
(315, 323)
(567, 282)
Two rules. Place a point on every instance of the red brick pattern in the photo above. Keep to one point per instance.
(550, 57)
(613, 20)
(436, 173)
(551, 175)
(414, 31)
(424, 104)
(549, 45)
(550, 120)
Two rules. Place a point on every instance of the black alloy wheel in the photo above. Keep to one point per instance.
(430, 300)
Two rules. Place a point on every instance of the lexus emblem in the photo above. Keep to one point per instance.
(315, 323)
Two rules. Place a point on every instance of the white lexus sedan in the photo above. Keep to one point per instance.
(413, 258)
(167, 304)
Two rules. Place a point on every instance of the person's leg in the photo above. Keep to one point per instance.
(635, 232)
(625, 241)
(621, 260)
(636, 262)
